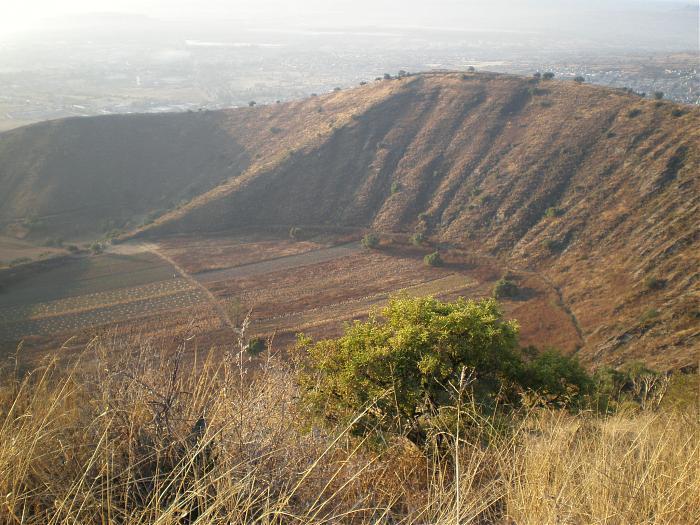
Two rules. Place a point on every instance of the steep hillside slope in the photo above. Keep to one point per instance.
(82, 177)
(596, 190)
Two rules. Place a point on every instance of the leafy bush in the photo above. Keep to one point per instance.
(553, 212)
(537, 75)
(398, 370)
(677, 112)
(548, 75)
(417, 239)
(97, 248)
(658, 95)
(553, 245)
(579, 79)
(634, 113)
(401, 363)
(654, 283)
(395, 187)
(433, 259)
(370, 241)
(559, 379)
(296, 233)
(256, 346)
(505, 288)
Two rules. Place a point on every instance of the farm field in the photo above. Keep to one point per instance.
(182, 284)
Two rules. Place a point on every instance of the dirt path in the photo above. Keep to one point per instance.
(216, 304)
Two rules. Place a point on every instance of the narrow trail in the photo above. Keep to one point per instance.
(129, 249)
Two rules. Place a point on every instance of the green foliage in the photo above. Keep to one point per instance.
(537, 75)
(97, 248)
(387, 76)
(296, 233)
(417, 239)
(398, 367)
(395, 187)
(256, 346)
(433, 259)
(649, 315)
(553, 245)
(398, 371)
(634, 113)
(370, 241)
(632, 386)
(658, 95)
(72, 248)
(251, 104)
(553, 212)
(654, 283)
(559, 379)
(579, 79)
(677, 112)
(548, 75)
(505, 288)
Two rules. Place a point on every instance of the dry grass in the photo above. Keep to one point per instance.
(134, 435)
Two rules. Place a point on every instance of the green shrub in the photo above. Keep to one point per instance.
(256, 346)
(658, 95)
(654, 283)
(677, 112)
(579, 79)
(296, 233)
(650, 314)
(553, 245)
(505, 288)
(417, 239)
(537, 75)
(559, 379)
(97, 248)
(433, 259)
(553, 212)
(370, 241)
(548, 75)
(72, 248)
(251, 104)
(398, 371)
(401, 363)
(634, 113)
(395, 187)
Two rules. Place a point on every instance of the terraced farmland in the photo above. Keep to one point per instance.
(91, 291)
(313, 287)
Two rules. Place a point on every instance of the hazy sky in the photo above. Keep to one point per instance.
(18, 15)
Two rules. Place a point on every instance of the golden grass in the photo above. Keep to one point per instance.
(134, 435)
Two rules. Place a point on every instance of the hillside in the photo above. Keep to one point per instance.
(82, 177)
(596, 190)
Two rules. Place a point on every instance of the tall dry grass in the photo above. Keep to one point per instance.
(130, 434)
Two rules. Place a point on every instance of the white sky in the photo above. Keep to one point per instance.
(19, 15)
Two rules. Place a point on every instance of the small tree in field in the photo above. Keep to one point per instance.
(370, 241)
(659, 95)
(548, 75)
(403, 357)
(433, 259)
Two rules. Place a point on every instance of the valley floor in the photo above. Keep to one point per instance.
(207, 285)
